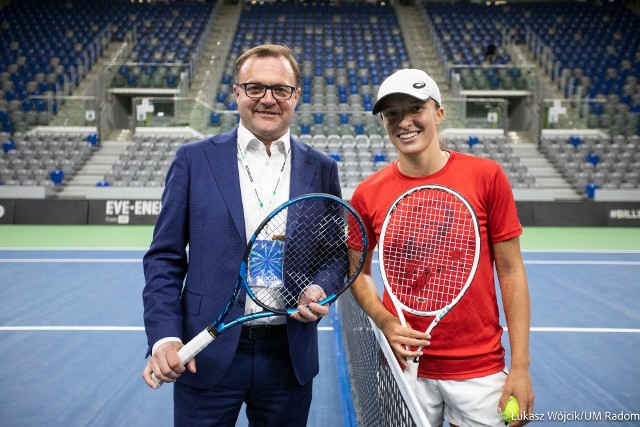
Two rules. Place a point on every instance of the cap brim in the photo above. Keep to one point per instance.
(378, 105)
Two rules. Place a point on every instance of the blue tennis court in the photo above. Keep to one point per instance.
(73, 345)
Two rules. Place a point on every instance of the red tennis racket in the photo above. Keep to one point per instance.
(428, 252)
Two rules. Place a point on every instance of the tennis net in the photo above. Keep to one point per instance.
(381, 396)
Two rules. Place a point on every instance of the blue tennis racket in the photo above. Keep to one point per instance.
(310, 248)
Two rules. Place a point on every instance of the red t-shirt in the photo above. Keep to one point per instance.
(467, 341)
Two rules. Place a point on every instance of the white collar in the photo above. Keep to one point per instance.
(245, 136)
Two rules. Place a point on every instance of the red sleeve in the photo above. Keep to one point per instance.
(503, 221)
(359, 204)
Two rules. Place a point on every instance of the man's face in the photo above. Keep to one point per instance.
(267, 118)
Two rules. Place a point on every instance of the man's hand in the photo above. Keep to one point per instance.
(165, 364)
(309, 311)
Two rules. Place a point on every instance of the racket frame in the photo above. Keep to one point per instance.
(399, 306)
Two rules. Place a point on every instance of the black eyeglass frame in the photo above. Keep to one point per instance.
(267, 87)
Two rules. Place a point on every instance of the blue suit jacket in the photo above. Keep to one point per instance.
(202, 208)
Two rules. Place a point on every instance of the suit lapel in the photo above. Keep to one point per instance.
(222, 156)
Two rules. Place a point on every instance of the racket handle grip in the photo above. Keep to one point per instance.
(411, 374)
(189, 351)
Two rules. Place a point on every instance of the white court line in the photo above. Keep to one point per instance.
(321, 328)
(583, 251)
(125, 249)
(95, 328)
(78, 249)
(69, 260)
(375, 261)
(569, 262)
(588, 330)
(572, 262)
(71, 328)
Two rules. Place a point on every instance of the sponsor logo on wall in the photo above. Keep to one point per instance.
(131, 211)
(623, 215)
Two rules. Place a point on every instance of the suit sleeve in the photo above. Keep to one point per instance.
(165, 263)
(331, 275)
(336, 190)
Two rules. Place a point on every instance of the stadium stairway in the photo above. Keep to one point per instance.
(547, 178)
(424, 56)
(114, 144)
(215, 51)
(212, 64)
(546, 175)
(548, 88)
(95, 168)
(75, 111)
(110, 147)
(420, 49)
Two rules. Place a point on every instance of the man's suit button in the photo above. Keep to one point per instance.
(240, 303)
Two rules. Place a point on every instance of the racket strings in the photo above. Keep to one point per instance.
(310, 259)
(429, 249)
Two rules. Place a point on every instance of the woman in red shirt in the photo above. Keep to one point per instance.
(462, 374)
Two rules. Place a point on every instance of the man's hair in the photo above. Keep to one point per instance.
(270, 51)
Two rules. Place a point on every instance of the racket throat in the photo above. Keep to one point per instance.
(213, 331)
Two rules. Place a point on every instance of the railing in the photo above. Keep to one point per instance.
(498, 78)
(477, 113)
(140, 76)
(589, 114)
(461, 113)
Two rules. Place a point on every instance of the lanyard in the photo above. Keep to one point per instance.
(243, 159)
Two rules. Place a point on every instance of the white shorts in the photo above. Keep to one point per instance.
(465, 403)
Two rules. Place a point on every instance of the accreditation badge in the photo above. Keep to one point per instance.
(265, 264)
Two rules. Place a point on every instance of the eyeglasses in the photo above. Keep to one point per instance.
(256, 91)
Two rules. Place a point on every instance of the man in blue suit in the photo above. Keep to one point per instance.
(217, 192)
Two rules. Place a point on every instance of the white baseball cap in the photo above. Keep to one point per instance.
(410, 82)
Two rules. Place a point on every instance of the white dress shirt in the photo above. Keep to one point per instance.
(267, 173)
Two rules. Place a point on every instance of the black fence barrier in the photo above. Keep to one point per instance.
(49, 211)
(142, 211)
(6, 211)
